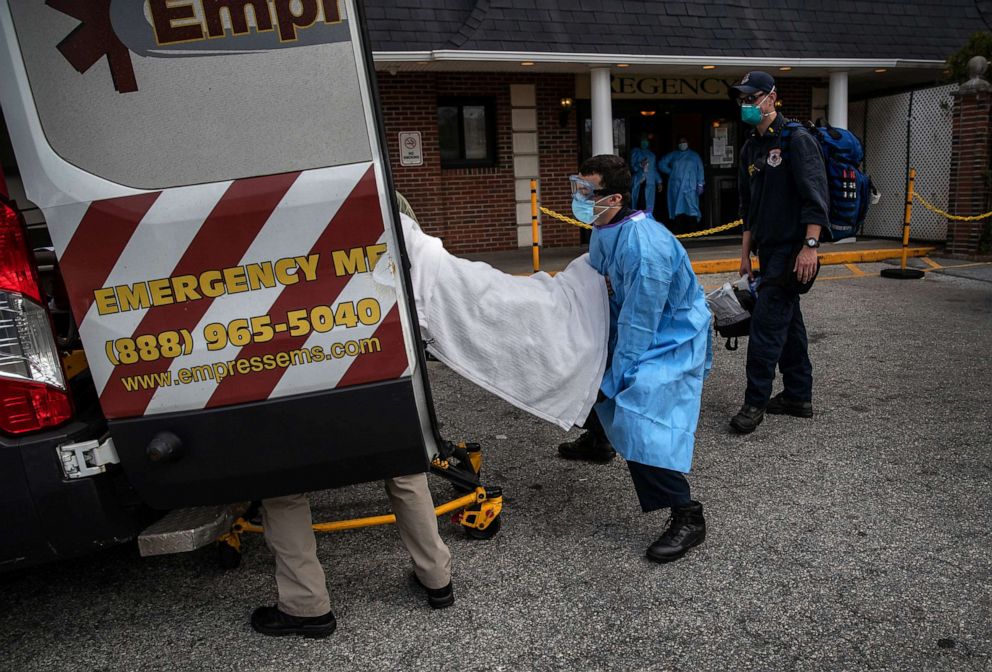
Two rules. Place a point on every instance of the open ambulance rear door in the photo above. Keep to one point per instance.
(215, 181)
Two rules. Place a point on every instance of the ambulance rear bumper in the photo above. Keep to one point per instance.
(274, 447)
(44, 516)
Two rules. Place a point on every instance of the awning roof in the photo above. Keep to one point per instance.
(910, 39)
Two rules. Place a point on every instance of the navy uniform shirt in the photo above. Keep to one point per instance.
(782, 191)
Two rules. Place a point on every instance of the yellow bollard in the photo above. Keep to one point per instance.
(903, 273)
(534, 232)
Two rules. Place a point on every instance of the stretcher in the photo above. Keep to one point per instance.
(477, 510)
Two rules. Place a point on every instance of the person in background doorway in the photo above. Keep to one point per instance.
(644, 173)
(684, 171)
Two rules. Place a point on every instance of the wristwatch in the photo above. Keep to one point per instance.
(812, 242)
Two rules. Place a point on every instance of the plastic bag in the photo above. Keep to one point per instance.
(725, 307)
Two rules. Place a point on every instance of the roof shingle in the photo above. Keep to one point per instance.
(879, 29)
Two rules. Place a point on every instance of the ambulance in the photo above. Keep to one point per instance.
(197, 195)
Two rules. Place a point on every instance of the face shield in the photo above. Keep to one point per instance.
(585, 204)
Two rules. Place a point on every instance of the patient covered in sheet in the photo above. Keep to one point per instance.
(539, 342)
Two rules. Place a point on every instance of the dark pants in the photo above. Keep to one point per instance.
(778, 335)
(656, 488)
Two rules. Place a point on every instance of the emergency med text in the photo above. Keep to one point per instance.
(213, 283)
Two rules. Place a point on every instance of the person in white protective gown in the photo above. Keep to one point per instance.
(660, 351)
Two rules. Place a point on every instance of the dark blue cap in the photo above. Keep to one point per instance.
(753, 82)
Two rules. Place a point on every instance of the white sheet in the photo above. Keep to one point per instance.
(539, 342)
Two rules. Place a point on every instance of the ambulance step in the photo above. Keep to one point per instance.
(188, 529)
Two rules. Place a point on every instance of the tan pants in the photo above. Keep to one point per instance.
(299, 575)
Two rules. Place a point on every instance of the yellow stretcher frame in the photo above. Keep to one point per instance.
(478, 511)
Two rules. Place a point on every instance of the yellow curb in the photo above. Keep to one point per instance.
(826, 259)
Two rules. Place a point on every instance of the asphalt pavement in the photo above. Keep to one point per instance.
(857, 540)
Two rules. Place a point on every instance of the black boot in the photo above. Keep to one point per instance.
(588, 447)
(747, 419)
(783, 405)
(438, 598)
(687, 528)
(272, 621)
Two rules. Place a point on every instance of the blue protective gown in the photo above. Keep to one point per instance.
(685, 181)
(644, 174)
(660, 342)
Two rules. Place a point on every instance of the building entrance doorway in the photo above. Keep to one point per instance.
(710, 128)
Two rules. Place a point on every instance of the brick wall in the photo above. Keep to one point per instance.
(473, 209)
(970, 161)
(796, 94)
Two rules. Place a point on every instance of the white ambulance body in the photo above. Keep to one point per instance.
(213, 179)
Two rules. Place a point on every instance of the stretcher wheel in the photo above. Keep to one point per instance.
(491, 531)
(228, 557)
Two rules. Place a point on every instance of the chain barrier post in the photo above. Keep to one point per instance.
(534, 231)
(903, 273)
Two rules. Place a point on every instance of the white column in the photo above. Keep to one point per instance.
(602, 112)
(837, 110)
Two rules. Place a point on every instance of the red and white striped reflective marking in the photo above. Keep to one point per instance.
(187, 230)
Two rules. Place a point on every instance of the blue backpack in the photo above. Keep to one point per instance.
(850, 187)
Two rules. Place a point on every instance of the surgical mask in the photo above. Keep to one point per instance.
(751, 114)
(683, 146)
(645, 144)
(585, 210)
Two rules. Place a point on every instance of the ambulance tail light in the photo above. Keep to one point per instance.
(33, 392)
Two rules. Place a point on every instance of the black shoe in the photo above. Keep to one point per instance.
(687, 528)
(783, 405)
(272, 621)
(747, 419)
(587, 447)
(438, 598)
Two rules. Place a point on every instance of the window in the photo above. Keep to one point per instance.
(466, 132)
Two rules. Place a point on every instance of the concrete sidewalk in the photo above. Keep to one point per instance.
(719, 254)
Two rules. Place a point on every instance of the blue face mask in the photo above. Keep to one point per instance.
(683, 146)
(582, 209)
(645, 144)
(585, 210)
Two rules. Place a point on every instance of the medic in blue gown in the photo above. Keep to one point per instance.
(685, 182)
(645, 175)
(660, 352)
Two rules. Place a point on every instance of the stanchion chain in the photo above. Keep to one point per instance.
(942, 213)
(695, 234)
